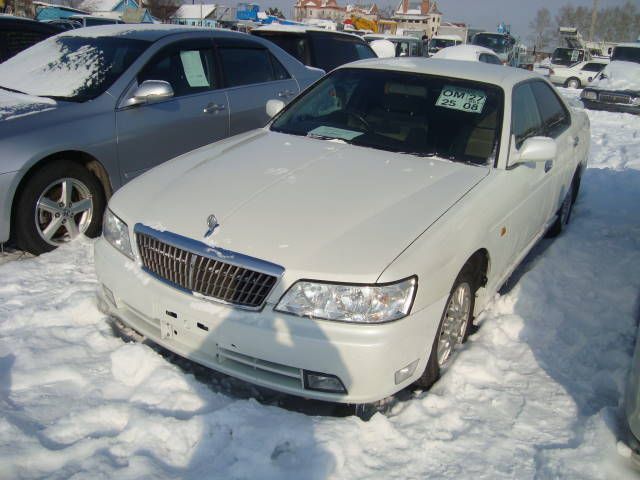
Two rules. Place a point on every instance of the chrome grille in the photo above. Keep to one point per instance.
(203, 273)
(615, 98)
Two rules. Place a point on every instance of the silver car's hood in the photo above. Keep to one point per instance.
(321, 209)
(15, 105)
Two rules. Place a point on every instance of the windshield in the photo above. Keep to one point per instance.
(567, 56)
(70, 68)
(400, 112)
(628, 54)
(495, 41)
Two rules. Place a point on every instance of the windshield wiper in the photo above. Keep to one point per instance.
(12, 90)
(326, 137)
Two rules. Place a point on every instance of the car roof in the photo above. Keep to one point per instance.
(463, 52)
(505, 77)
(144, 31)
(300, 29)
(382, 36)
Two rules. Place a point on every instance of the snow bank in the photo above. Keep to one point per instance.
(534, 394)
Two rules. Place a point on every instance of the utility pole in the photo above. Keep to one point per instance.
(594, 19)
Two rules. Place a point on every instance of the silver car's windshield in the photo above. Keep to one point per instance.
(403, 112)
(70, 68)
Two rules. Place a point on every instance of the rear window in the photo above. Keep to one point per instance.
(627, 54)
(331, 51)
(14, 41)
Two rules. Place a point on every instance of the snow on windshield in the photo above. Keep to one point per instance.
(70, 68)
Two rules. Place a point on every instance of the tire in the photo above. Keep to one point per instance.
(573, 83)
(565, 210)
(469, 277)
(58, 196)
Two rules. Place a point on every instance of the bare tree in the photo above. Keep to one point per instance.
(162, 9)
(541, 29)
(614, 24)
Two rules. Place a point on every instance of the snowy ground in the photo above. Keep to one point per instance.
(534, 394)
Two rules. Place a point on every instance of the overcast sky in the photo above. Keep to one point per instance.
(478, 13)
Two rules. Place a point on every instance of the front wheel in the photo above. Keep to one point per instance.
(58, 203)
(454, 327)
(573, 83)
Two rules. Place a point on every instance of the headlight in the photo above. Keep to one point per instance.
(350, 303)
(589, 95)
(635, 101)
(116, 232)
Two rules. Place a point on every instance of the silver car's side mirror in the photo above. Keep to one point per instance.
(274, 107)
(535, 149)
(151, 91)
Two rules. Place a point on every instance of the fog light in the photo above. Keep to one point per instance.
(406, 372)
(323, 382)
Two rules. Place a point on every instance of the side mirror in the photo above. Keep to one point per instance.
(535, 149)
(274, 107)
(150, 91)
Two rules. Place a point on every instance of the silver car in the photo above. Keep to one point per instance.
(86, 111)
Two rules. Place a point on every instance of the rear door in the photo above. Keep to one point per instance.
(198, 113)
(252, 76)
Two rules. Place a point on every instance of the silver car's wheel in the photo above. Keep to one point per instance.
(57, 202)
(455, 322)
(64, 210)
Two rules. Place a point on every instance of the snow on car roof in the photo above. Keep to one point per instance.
(463, 52)
(477, 71)
(141, 31)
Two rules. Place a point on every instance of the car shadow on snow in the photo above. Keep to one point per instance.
(579, 298)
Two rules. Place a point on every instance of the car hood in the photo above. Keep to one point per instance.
(618, 75)
(16, 105)
(321, 209)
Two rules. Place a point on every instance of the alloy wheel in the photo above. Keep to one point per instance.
(455, 322)
(64, 211)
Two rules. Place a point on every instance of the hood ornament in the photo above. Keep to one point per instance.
(212, 223)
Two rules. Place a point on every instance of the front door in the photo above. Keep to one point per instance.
(196, 115)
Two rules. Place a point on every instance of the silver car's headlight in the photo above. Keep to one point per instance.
(589, 95)
(116, 232)
(350, 303)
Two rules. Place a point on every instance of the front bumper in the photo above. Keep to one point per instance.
(7, 189)
(610, 106)
(267, 348)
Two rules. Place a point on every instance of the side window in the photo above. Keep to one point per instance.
(245, 66)
(555, 118)
(593, 67)
(525, 119)
(279, 72)
(189, 69)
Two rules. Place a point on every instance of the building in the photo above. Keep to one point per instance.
(319, 9)
(116, 9)
(417, 18)
(370, 12)
(200, 15)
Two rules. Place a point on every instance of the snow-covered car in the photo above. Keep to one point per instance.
(86, 111)
(471, 53)
(617, 87)
(342, 251)
(578, 75)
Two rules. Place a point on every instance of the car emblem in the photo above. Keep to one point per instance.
(212, 223)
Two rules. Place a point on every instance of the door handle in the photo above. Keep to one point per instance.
(213, 108)
(285, 93)
(576, 141)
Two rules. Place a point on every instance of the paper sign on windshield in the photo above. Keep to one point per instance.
(333, 132)
(193, 68)
(465, 99)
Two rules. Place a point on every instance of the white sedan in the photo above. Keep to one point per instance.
(342, 252)
(578, 75)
